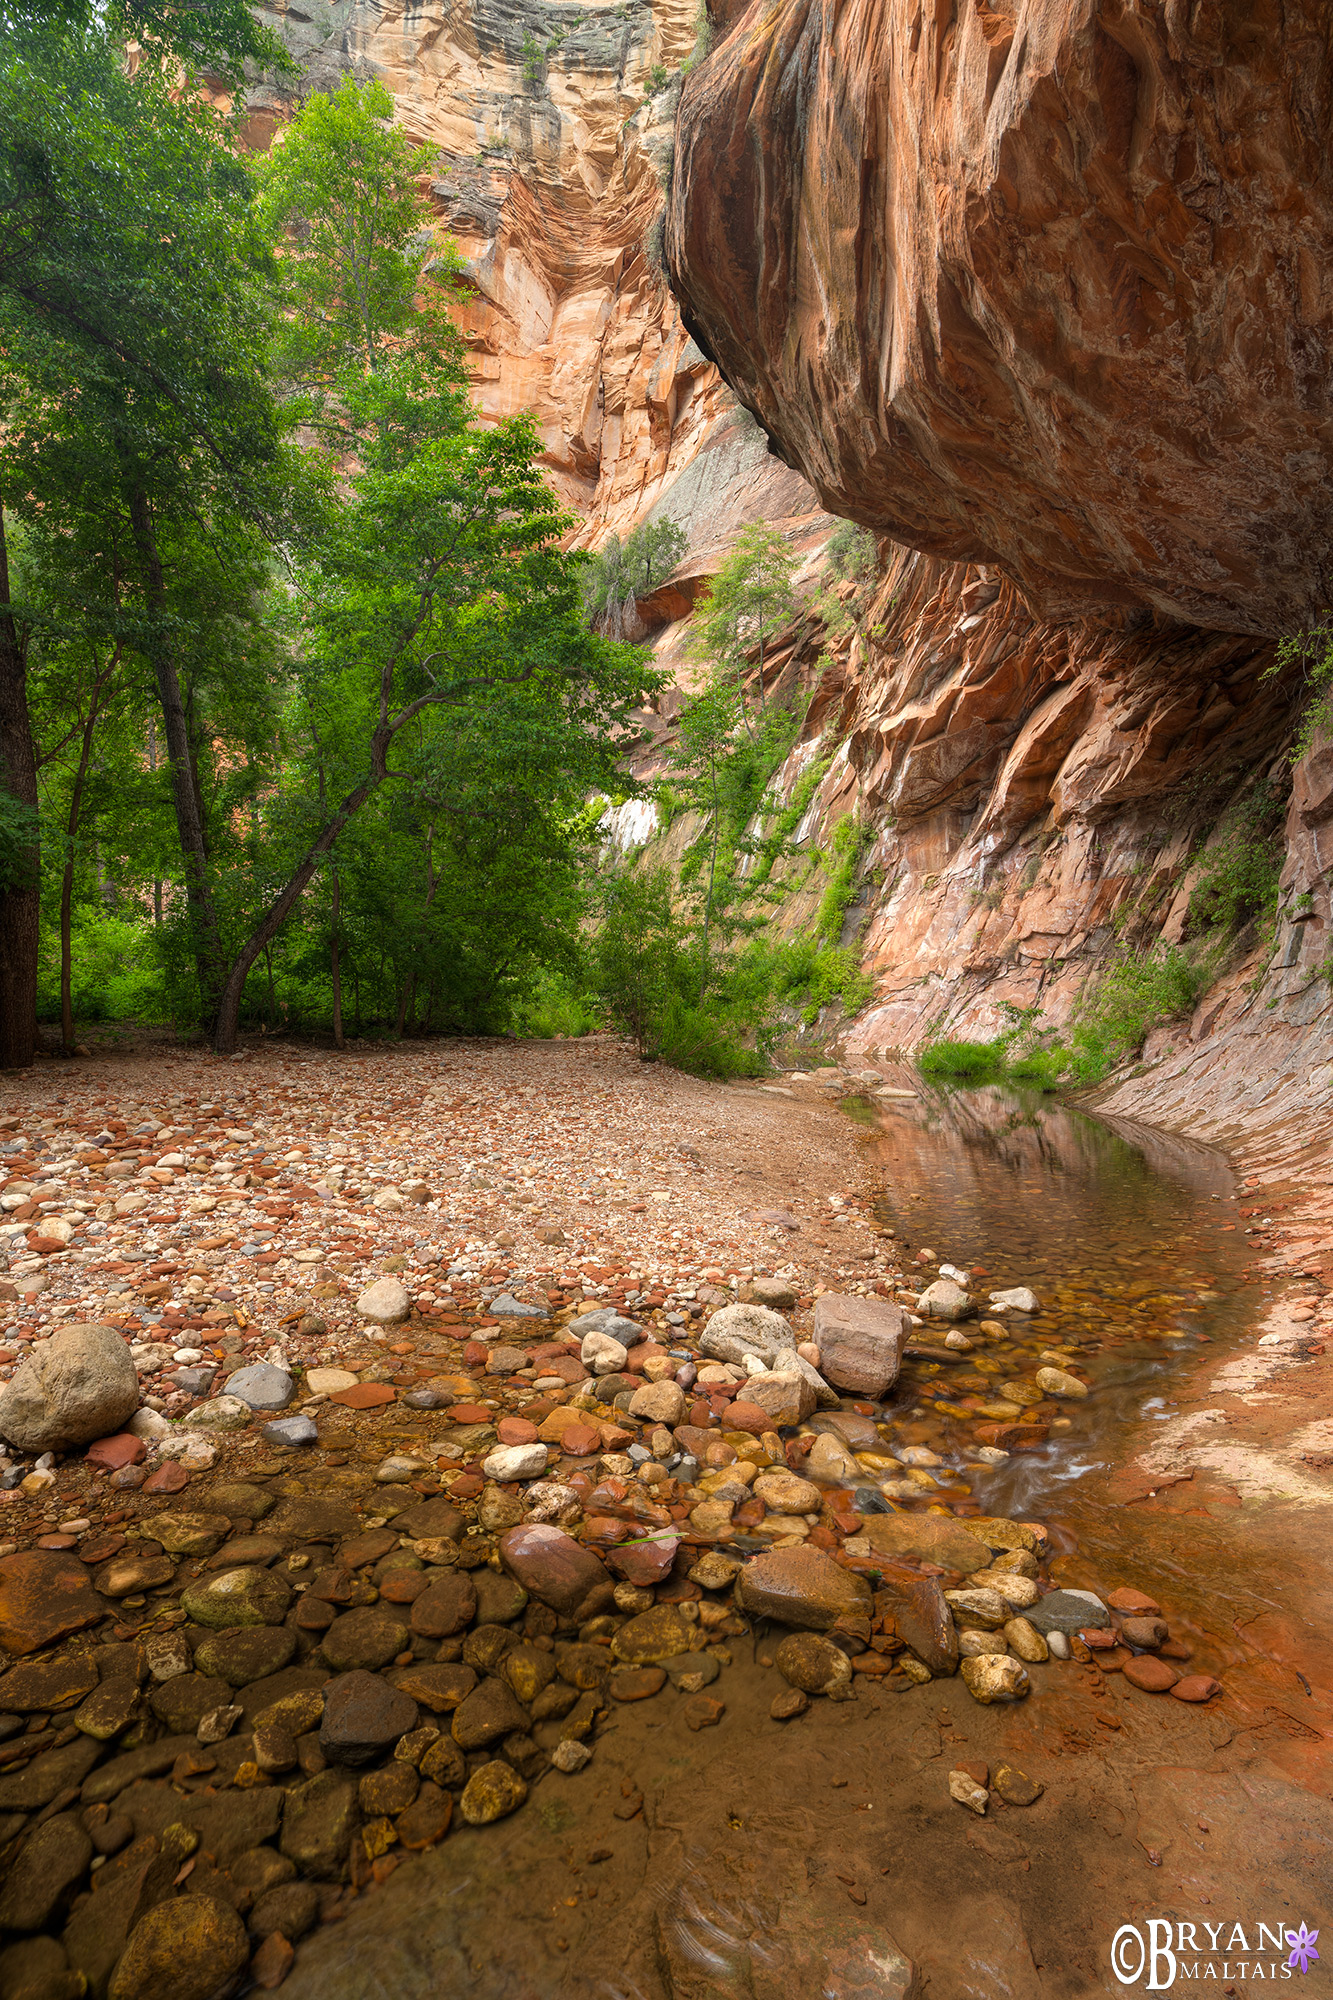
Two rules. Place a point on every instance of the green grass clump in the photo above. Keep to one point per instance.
(964, 1062)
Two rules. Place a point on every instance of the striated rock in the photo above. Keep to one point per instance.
(860, 1342)
(78, 1385)
(958, 266)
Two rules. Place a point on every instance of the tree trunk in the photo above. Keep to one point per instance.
(152, 765)
(409, 987)
(335, 966)
(67, 882)
(210, 961)
(19, 897)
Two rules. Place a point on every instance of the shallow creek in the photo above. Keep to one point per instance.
(776, 1860)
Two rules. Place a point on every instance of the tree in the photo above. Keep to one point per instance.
(748, 605)
(619, 574)
(339, 193)
(133, 328)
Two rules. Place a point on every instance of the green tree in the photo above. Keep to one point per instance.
(751, 601)
(621, 573)
(339, 195)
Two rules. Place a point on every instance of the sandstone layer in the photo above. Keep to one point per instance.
(1033, 282)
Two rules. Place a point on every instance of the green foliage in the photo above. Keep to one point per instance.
(534, 59)
(850, 840)
(1311, 652)
(338, 195)
(620, 573)
(850, 554)
(748, 604)
(703, 38)
(20, 832)
(658, 77)
(849, 558)
(555, 1004)
(1240, 870)
(1138, 991)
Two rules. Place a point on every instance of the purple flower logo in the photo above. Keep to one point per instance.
(1303, 1947)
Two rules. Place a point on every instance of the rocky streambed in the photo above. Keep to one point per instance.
(528, 1633)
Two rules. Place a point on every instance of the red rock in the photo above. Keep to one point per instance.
(313, 1614)
(748, 1417)
(703, 1712)
(579, 1440)
(636, 1683)
(364, 1396)
(551, 1565)
(616, 1439)
(1100, 1638)
(475, 1354)
(514, 1430)
(170, 1477)
(645, 1560)
(701, 1415)
(749, 1514)
(1153, 1676)
(273, 1961)
(57, 1541)
(1175, 1649)
(1132, 1603)
(113, 1452)
(44, 1595)
(1196, 1687)
(468, 1486)
(477, 1413)
(1011, 1437)
(403, 1586)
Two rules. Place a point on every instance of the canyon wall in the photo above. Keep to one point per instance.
(1039, 293)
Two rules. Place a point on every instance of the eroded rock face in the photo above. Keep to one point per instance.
(1042, 282)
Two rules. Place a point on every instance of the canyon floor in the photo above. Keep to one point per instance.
(228, 1215)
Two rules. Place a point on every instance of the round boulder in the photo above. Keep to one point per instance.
(237, 1597)
(491, 1793)
(181, 1950)
(79, 1385)
(811, 1663)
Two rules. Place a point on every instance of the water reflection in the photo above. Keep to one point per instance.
(1117, 1230)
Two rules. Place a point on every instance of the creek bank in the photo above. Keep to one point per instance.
(356, 1543)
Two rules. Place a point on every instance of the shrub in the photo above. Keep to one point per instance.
(969, 1062)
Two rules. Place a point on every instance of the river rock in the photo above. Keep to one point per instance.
(786, 1398)
(505, 1306)
(551, 1565)
(647, 1558)
(995, 1677)
(1023, 1638)
(491, 1793)
(223, 1413)
(364, 1716)
(1018, 1299)
(802, 1587)
(977, 1610)
(603, 1353)
(830, 1462)
(248, 1653)
(739, 1330)
(811, 1663)
(607, 1320)
(318, 1824)
(1068, 1611)
(945, 1299)
(860, 1342)
(922, 1617)
(787, 1493)
(48, 1863)
(933, 1538)
(965, 1790)
(44, 1596)
(447, 1605)
(50, 1685)
(184, 1949)
(291, 1431)
(385, 1302)
(659, 1403)
(490, 1712)
(1059, 1382)
(190, 1534)
(366, 1638)
(651, 1638)
(263, 1386)
(515, 1461)
(78, 1385)
(237, 1597)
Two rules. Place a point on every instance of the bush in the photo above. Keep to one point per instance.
(967, 1062)
(555, 1004)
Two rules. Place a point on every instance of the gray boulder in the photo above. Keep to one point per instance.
(262, 1386)
(508, 1307)
(739, 1330)
(78, 1385)
(607, 1320)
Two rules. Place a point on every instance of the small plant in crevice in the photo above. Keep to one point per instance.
(1311, 652)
